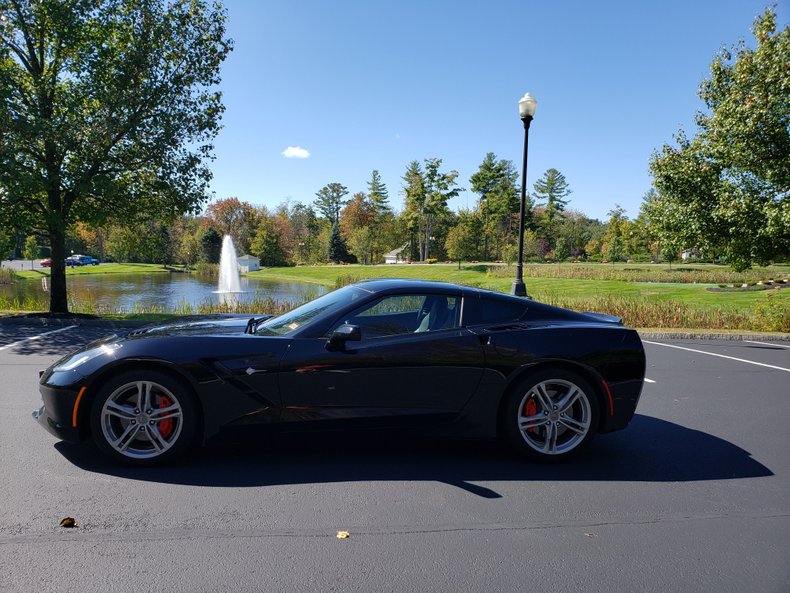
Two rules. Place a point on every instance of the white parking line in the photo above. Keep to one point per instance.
(770, 366)
(649, 380)
(39, 336)
(768, 344)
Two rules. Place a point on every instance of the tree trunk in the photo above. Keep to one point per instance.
(58, 302)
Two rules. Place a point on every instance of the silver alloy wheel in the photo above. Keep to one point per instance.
(141, 419)
(554, 416)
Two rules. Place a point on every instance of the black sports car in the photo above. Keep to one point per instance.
(380, 353)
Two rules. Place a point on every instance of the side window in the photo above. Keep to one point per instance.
(402, 314)
(495, 310)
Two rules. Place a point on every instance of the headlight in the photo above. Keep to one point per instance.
(72, 362)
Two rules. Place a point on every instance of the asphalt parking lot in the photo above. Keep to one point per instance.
(693, 496)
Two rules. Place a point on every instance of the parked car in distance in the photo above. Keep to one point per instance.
(46, 263)
(378, 354)
(82, 260)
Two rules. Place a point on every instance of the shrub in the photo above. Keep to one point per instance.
(771, 315)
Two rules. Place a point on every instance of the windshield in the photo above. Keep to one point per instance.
(301, 316)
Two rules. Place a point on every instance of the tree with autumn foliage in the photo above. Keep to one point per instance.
(233, 217)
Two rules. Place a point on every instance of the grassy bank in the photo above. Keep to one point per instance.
(101, 269)
(643, 295)
(545, 282)
(260, 305)
(639, 303)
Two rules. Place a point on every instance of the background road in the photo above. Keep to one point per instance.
(693, 496)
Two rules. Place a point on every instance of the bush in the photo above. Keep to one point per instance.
(771, 315)
(206, 270)
(7, 276)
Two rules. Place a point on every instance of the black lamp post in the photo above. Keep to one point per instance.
(526, 109)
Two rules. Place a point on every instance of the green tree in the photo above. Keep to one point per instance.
(123, 243)
(495, 183)
(31, 249)
(210, 245)
(551, 192)
(427, 192)
(266, 245)
(614, 241)
(574, 231)
(7, 244)
(306, 230)
(361, 244)
(329, 201)
(411, 217)
(463, 240)
(336, 250)
(378, 194)
(107, 110)
(725, 190)
(189, 249)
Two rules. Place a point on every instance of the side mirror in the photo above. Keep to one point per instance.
(344, 333)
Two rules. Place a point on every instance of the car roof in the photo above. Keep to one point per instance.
(408, 284)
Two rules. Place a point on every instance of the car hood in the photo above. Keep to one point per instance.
(140, 343)
(195, 326)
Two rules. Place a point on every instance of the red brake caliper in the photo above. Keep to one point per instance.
(166, 426)
(530, 410)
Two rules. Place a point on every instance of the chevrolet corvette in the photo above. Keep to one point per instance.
(386, 353)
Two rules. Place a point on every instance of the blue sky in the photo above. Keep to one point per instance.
(365, 85)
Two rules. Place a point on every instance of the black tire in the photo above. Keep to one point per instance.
(127, 430)
(555, 434)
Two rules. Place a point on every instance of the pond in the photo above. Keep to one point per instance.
(166, 291)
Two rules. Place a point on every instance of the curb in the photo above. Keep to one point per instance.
(691, 335)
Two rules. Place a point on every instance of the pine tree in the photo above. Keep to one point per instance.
(329, 201)
(551, 191)
(378, 194)
(337, 251)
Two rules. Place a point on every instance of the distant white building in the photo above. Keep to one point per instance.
(248, 263)
(395, 256)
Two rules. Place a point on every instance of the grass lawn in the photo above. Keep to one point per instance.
(542, 288)
(100, 269)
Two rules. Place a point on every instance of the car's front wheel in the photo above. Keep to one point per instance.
(143, 418)
(551, 416)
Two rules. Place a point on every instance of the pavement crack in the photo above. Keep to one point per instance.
(88, 535)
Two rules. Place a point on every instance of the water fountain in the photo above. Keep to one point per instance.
(229, 283)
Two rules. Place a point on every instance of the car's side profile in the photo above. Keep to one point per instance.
(383, 353)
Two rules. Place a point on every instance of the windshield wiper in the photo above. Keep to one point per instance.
(252, 325)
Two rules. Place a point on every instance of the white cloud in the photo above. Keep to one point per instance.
(295, 152)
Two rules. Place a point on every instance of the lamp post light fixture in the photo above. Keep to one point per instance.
(526, 109)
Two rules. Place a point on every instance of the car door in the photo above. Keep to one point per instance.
(406, 364)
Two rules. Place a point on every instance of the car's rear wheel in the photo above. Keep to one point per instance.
(551, 416)
(143, 418)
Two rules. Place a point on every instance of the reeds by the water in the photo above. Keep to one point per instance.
(679, 275)
(768, 315)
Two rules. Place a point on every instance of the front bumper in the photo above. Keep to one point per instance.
(60, 414)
